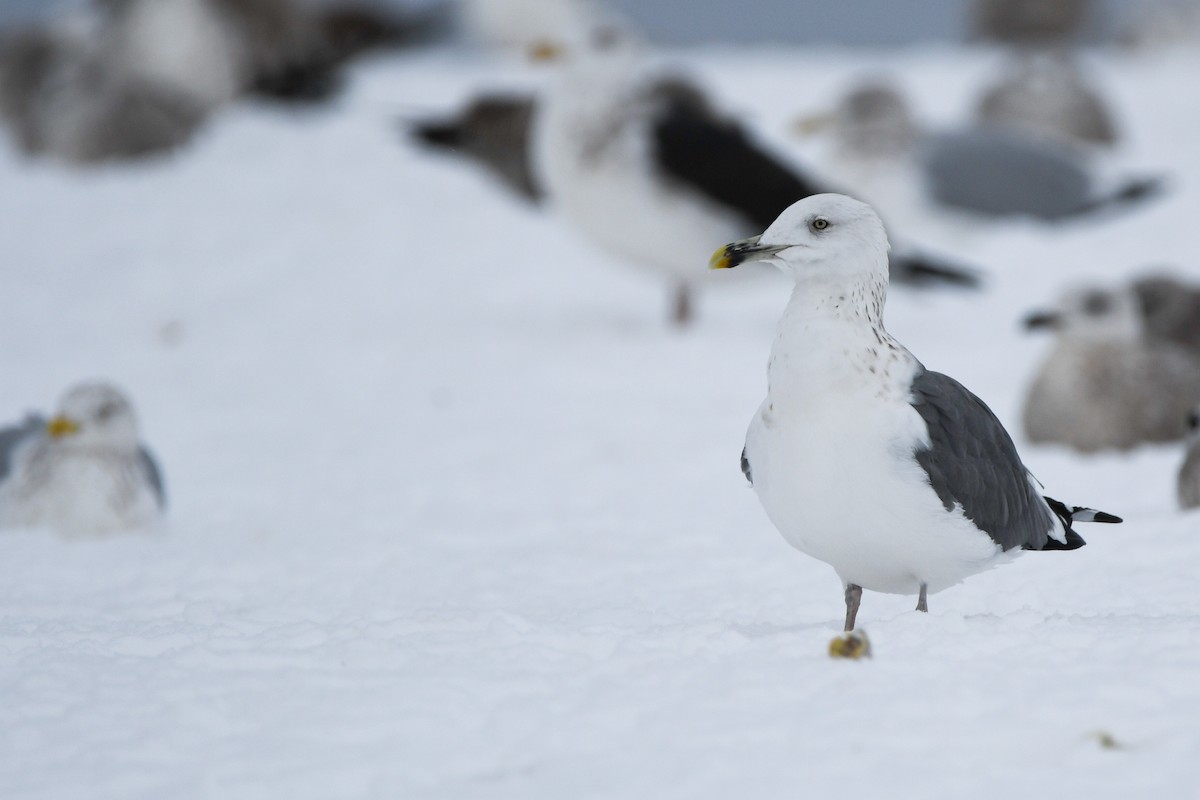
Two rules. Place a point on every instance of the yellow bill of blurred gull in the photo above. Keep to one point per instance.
(1105, 384)
(84, 471)
(896, 476)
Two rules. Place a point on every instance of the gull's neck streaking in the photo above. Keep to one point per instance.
(832, 334)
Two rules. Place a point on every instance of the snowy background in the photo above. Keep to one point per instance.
(455, 514)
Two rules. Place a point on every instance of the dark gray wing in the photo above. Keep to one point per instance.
(971, 461)
(13, 436)
(154, 475)
(715, 156)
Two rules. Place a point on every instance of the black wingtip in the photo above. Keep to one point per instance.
(438, 134)
(1074, 542)
(918, 270)
(1139, 189)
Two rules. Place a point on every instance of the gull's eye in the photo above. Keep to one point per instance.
(819, 223)
(106, 411)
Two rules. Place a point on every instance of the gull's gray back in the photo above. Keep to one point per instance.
(153, 476)
(13, 436)
(997, 172)
(972, 462)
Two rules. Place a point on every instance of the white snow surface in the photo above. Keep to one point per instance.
(455, 514)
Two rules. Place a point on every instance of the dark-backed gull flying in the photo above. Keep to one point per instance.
(83, 472)
(896, 476)
(1105, 384)
(645, 166)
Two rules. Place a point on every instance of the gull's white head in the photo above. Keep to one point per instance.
(94, 416)
(1093, 314)
(824, 237)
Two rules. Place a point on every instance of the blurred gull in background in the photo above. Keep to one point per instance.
(83, 472)
(644, 164)
(987, 170)
(129, 78)
(1105, 384)
(1047, 94)
(1031, 22)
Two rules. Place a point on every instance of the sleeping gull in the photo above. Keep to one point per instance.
(83, 471)
(1105, 384)
(643, 163)
(897, 477)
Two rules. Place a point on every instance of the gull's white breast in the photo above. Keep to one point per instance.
(831, 452)
(77, 493)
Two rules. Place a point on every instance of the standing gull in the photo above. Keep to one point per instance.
(82, 472)
(643, 164)
(897, 477)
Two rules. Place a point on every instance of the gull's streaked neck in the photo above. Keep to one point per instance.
(856, 300)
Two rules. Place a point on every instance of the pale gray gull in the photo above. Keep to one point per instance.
(1105, 384)
(643, 163)
(84, 471)
(896, 476)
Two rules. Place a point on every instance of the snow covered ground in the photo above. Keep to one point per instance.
(455, 514)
